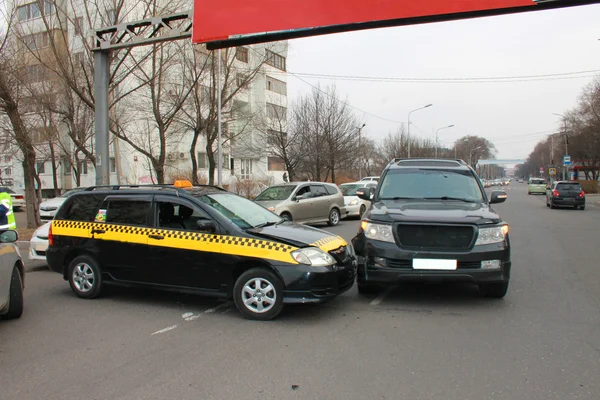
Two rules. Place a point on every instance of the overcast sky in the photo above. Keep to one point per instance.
(513, 115)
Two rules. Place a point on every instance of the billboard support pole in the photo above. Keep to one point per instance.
(101, 73)
(219, 150)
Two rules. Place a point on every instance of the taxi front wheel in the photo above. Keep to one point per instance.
(258, 294)
(85, 277)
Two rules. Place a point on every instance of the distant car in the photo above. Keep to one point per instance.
(370, 179)
(305, 202)
(18, 199)
(565, 194)
(12, 276)
(355, 206)
(536, 186)
(38, 245)
(49, 207)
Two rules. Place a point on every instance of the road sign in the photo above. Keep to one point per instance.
(567, 160)
(552, 171)
(541, 170)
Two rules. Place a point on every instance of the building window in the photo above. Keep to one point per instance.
(35, 73)
(40, 166)
(8, 171)
(48, 8)
(32, 10)
(36, 41)
(275, 60)
(201, 160)
(113, 165)
(242, 80)
(276, 138)
(7, 158)
(82, 167)
(246, 168)
(276, 112)
(277, 86)
(78, 23)
(66, 167)
(225, 160)
(276, 164)
(241, 53)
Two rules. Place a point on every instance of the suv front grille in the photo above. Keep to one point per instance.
(439, 237)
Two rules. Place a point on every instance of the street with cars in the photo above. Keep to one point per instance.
(411, 340)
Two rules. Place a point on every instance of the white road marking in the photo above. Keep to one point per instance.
(220, 306)
(187, 315)
(377, 300)
(170, 328)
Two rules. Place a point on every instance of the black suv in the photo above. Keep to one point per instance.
(200, 239)
(431, 220)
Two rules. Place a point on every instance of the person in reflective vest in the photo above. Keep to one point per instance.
(7, 218)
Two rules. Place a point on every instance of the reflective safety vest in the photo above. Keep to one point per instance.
(7, 222)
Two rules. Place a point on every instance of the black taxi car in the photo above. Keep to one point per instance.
(431, 220)
(201, 239)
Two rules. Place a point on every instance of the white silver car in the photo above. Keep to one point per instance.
(370, 179)
(49, 207)
(18, 199)
(355, 206)
(12, 277)
(38, 245)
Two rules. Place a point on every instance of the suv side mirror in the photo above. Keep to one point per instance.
(206, 225)
(9, 237)
(365, 193)
(498, 196)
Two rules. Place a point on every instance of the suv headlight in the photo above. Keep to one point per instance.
(496, 234)
(313, 256)
(378, 231)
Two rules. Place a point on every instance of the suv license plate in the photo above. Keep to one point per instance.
(434, 264)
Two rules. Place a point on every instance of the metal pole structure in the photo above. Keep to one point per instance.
(101, 74)
(436, 139)
(566, 150)
(360, 153)
(408, 135)
(219, 150)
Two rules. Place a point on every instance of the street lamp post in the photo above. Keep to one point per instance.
(436, 138)
(408, 135)
(360, 153)
(471, 155)
(566, 141)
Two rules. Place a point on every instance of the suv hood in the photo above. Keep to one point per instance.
(443, 211)
(300, 236)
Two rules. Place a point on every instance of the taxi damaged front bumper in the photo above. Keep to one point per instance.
(307, 284)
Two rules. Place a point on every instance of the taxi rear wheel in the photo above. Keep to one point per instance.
(85, 277)
(258, 294)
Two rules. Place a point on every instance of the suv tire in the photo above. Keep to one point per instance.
(15, 305)
(85, 277)
(334, 217)
(250, 290)
(496, 290)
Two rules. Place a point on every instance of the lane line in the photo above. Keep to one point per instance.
(377, 300)
(170, 328)
(220, 306)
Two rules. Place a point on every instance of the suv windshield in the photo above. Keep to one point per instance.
(430, 183)
(350, 189)
(276, 193)
(242, 212)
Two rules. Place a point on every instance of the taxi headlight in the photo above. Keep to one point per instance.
(378, 231)
(496, 234)
(354, 202)
(313, 256)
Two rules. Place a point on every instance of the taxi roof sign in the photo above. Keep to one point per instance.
(182, 183)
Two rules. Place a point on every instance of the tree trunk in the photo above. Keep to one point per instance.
(54, 174)
(194, 160)
(210, 155)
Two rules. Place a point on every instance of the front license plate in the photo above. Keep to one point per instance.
(434, 264)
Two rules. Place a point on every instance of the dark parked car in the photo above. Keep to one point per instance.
(431, 220)
(565, 194)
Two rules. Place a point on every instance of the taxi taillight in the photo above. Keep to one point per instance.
(50, 237)
(582, 194)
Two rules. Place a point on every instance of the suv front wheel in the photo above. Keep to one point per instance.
(85, 277)
(497, 289)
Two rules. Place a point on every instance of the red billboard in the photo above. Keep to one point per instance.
(232, 22)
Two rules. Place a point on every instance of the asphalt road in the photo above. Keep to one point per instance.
(418, 342)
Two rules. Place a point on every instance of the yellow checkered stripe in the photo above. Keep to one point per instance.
(330, 243)
(223, 244)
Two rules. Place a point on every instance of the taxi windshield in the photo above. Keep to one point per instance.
(242, 212)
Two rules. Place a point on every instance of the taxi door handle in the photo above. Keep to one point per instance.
(157, 237)
(98, 231)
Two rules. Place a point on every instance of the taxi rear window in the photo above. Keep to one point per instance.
(537, 182)
(82, 208)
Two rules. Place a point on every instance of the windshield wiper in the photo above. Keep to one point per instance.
(267, 224)
(399, 198)
(450, 198)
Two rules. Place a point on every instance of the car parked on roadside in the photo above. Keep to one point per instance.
(537, 186)
(565, 194)
(305, 202)
(49, 207)
(195, 239)
(12, 276)
(38, 245)
(18, 199)
(355, 206)
(431, 220)
(370, 179)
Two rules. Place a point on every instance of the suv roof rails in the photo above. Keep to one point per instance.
(157, 186)
(416, 160)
